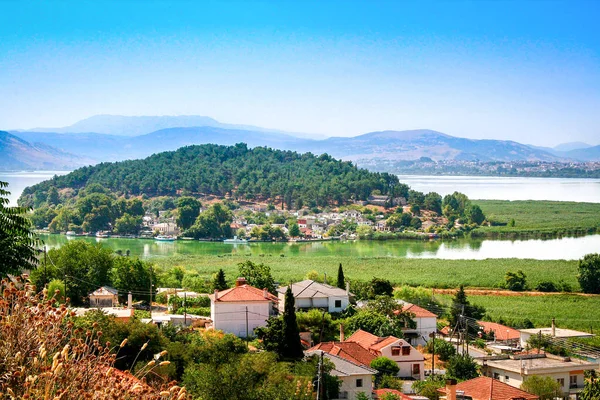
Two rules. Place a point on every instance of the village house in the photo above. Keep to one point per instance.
(514, 369)
(409, 360)
(553, 331)
(310, 294)
(104, 296)
(426, 325)
(241, 309)
(166, 228)
(355, 378)
(483, 388)
(501, 333)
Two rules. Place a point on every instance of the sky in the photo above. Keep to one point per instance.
(515, 70)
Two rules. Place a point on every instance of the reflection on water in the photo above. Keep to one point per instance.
(570, 248)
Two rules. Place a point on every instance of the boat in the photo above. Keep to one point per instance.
(71, 233)
(165, 238)
(101, 234)
(235, 240)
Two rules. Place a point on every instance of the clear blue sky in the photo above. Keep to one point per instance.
(526, 71)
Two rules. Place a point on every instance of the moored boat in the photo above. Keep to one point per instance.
(235, 240)
(165, 238)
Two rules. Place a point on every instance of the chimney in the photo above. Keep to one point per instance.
(450, 389)
(341, 332)
(265, 293)
(553, 328)
(129, 301)
(240, 281)
(216, 294)
(347, 287)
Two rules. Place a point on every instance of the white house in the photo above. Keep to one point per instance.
(310, 294)
(241, 309)
(410, 361)
(355, 378)
(514, 369)
(552, 331)
(105, 296)
(426, 322)
(166, 228)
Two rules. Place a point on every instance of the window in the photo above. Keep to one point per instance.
(416, 369)
(405, 350)
(395, 351)
(359, 383)
(573, 381)
(496, 376)
(338, 304)
(561, 381)
(506, 378)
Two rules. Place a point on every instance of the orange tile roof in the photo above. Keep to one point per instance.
(243, 293)
(380, 392)
(364, 338)
(385, 342)
(501, 332)
(486, 388)
(350, 351)
(419, 312)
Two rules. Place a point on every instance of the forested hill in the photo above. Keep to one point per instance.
(258, 173)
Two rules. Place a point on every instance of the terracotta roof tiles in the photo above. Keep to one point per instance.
(486, 388)
(243, 293)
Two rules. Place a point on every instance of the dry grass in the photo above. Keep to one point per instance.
(42, 356)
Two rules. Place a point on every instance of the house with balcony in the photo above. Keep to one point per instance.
(242, 309)
(514, 369)
(426, 324)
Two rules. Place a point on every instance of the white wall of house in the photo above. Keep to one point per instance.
(349, 386)
(109, 300)
(564, 377)
(425, 327)
(338, 303)
(411, 365)
(332, 303)
(230, 317)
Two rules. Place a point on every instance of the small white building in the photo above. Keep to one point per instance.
(410, 361)
(105, 296)
(514, 369)
(426, 322)
(166, 228)
(355, 378)
(310, 294)
(241, 309)
(553, 332)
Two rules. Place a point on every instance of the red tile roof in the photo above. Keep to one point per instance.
(486, 388)
(243, 293)
(350, 351)
(419, 312)
(364, 338)
(501, 332)
(380, 392)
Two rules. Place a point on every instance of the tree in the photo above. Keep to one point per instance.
(133, 275)
(591, 388)
(219, 282)
(188, 210)
(56, 288)
(546, 387)
(589, 273)
(292, 348)
(516, 281)
(429, 387)
(385, 366)
(53, 198)
(462, 307)
(433, 202)
(294, 230)
(461, 367)
(17, 241)
(321, 325)
(215, 222)
(381, 287)
(476, 215)
(128, 224)
(341, 281)
(257, 275)
(444, 350)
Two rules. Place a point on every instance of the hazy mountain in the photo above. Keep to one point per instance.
(411, 145)
(18, 154)
(386, 145)
(586, 154)
(572, 146)
(135, 126)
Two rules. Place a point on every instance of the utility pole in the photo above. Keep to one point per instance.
(246, 325)
(319, 378)
(150, 292)
(433, 355)
(185, 309)
(45, 272)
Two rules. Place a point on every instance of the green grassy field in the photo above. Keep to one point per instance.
(415, 272)
(540, 217)
(571, 311)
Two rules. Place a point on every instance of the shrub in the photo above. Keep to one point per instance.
(385, 366)
(443, 349)
(546, 286)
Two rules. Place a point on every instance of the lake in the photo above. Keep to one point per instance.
(568, 248)
(507, 188)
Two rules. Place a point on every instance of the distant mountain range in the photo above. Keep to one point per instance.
(18, 154)
(115, 138)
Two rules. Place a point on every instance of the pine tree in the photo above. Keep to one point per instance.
(219, 283)
(341, 282)
(292, 347)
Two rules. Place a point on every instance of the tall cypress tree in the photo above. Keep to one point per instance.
(292, 347)
(341, 282)
(219, 282)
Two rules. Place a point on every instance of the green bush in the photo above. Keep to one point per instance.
(203, 311)
(443, 349)
(546, 286)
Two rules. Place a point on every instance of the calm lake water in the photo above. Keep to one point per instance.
(564, 248)
(505, 188)
(18, 181)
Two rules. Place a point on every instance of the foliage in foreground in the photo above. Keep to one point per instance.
(42, 354)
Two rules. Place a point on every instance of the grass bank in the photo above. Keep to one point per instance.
(570, 310)
(538, 218)
(437, 273)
